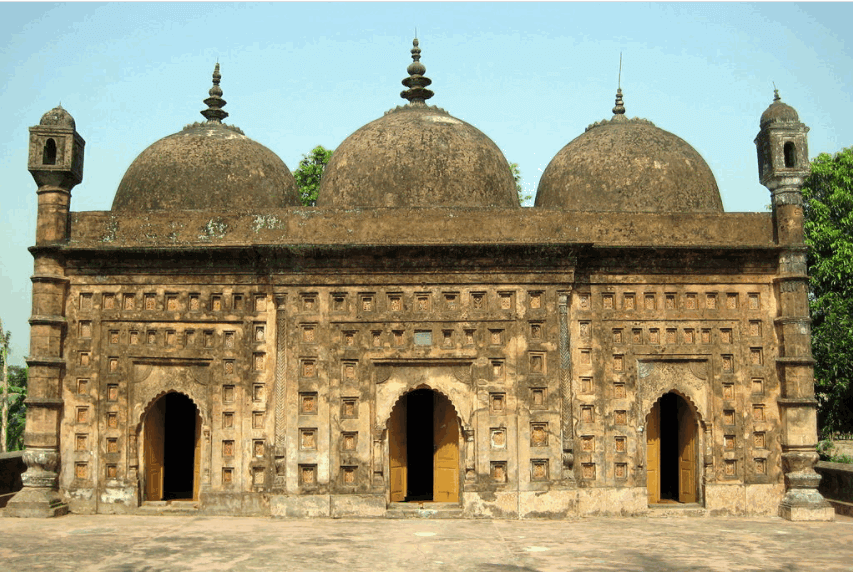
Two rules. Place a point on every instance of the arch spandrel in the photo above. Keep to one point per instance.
(689, 378)
(151, 381)
(443, 379)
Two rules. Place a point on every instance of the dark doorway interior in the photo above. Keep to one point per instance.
(419, 437)
(669, 447)
(179, 447)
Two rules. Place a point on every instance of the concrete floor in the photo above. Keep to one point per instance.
(208, 544)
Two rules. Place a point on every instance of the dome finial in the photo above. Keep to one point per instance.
(214, 112)
(619, 109)
(416, 82)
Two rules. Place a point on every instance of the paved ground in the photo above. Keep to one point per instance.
(209, 544)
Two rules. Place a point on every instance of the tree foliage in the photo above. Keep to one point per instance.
(17, 414)
(13, 391)
(309, 172)
(828, 209)
(516, 174)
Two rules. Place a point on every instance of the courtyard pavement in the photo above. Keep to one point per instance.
(207, 544)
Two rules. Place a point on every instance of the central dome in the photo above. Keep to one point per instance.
(417, 156)
(207, 166)
(628, 165)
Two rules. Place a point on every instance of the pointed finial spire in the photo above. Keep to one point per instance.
(416, 82)
(619, 109)
(776, 95)
(214, 112)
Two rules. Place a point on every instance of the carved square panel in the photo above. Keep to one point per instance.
(586, 385)
(690, 301)
(537, 397)
(195, 302)
(539, 469)
(348, 474)
(81, 442)
(258, 447)
(237, 302)
(228, 448)
(588, 471)
(711, 301)
(619, 391)
(538, 434)
(112, 471)
(129, 302)
(535, 300)
(629, 301)
(497, 403)
(669, 301)
(308, 403)
(729, 442)
(349, 408)
(588, 443)
(112, 420)
(583, 301)
(497, 437)
(497, 471)
(82, 386)
(349, 440)
(307, 474)
(308, 439)
(227, 475)
(112, 392)
(257, 419)
(759, 440)
(620, 471)
(620, 443)
(227, 419)
(757, 386)
(754, 301)
(109, 301)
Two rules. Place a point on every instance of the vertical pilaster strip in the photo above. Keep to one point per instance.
(566, 386)
(280, 480)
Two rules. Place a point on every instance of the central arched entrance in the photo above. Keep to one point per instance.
(423, 444)
(671, 451)
(171, 437)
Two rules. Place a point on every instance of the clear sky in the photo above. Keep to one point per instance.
(531, 76)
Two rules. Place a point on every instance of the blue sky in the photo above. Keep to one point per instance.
(531, 76)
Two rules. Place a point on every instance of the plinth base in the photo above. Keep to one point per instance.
(35, 503)
(805, 505)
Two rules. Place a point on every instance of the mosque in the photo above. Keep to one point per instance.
(417, 344)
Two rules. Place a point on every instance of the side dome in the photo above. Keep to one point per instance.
(779, 112)
(417, 156)
(58, 117)
(207, 166)
(628, 165)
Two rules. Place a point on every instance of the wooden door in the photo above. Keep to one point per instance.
(653, 454)
(397, 451)
(155, 428)
(197, 457)
(445, 484)
(686, 454)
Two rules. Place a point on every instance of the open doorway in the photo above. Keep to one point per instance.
(671, 451)
(424, 448)
(172, 431)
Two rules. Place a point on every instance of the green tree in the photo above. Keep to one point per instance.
(13, 383)
(309, 172)
(516, 174)
(828, 209)
(17, 415)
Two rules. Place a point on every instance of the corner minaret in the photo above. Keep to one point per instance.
(56, 164)
(783, 166)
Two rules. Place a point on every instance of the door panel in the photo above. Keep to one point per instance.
(155, 425)
(653, 454)
(446, 457)
(397, 451)
(686, 455)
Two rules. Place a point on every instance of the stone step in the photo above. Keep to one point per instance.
(677, 509)
(423, 510)
(169, 508)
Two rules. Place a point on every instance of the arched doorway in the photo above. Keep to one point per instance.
(171, 437)
(671, 451)
(423, 435)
